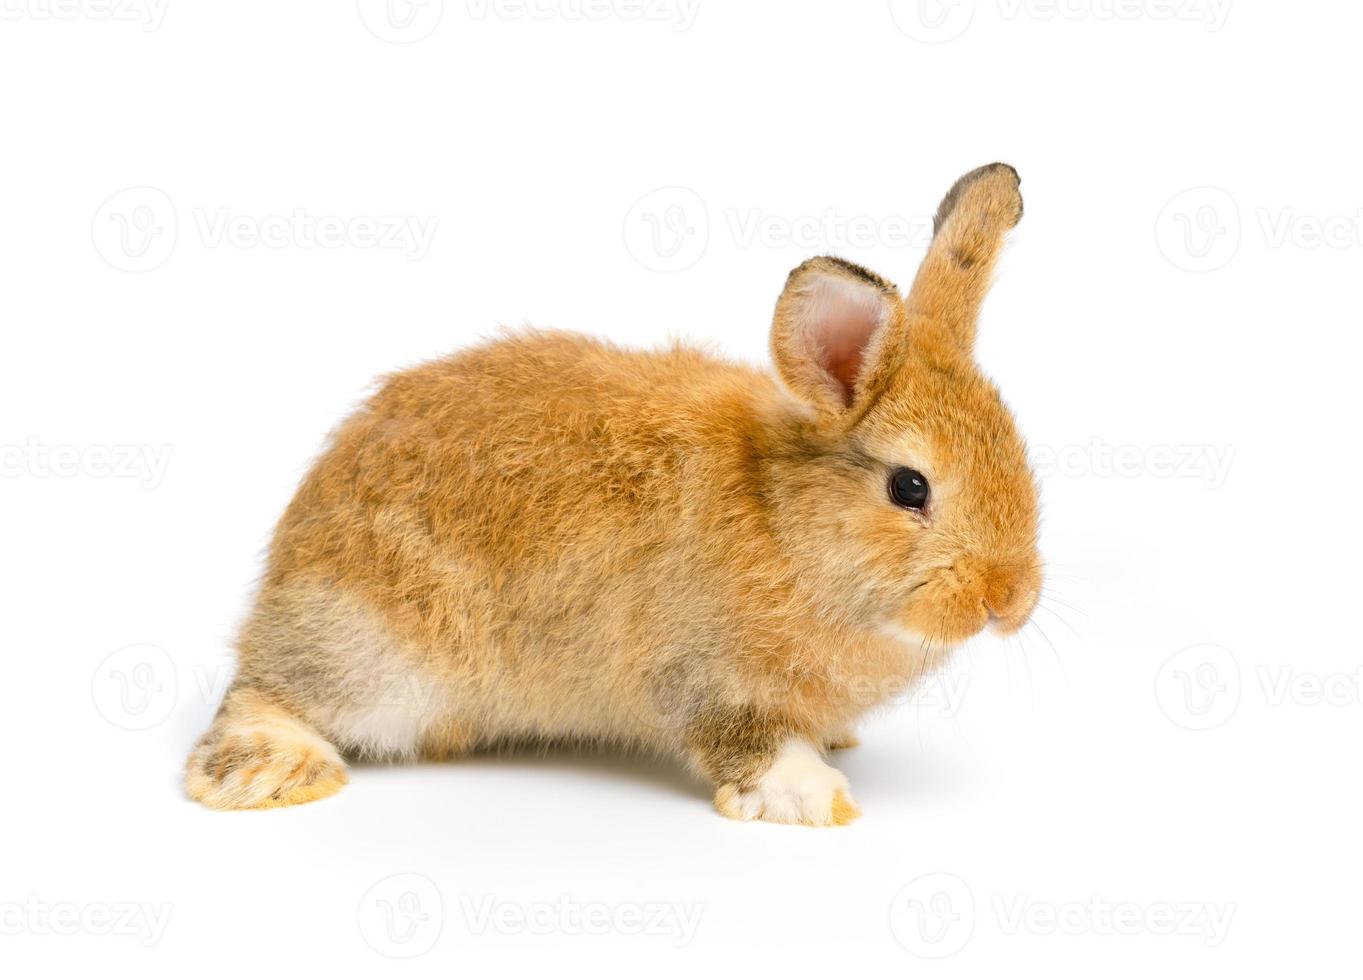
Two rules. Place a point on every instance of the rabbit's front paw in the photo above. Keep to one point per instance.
(799, 787)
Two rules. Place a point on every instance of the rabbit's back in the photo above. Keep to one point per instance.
(505, 538)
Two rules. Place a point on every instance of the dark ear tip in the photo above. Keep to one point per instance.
(953, 196)
(850, 270)
(1009, 167)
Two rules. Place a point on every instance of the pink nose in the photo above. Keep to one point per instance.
(1009, 597)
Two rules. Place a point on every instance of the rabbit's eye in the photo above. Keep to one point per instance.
(909, 488)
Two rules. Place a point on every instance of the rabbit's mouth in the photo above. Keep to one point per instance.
(964, 599)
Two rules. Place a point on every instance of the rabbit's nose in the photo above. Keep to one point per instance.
(1009, 599)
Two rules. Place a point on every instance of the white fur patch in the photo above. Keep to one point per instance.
(380, 699)
(386, 717)
(798, 788)
(909, 638)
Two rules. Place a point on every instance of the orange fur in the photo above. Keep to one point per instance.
(549, 537)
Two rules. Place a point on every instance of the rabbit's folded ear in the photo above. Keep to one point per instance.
(967, 238)
(830, 336)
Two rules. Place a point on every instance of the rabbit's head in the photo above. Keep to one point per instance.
(903, 480)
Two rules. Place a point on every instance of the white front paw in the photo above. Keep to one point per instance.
(798, 788)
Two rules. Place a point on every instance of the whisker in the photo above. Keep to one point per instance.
(1045, 594)
(1058, 618)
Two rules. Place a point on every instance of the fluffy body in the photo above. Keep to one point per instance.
(548, 537)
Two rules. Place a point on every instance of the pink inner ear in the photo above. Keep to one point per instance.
(841, 321)
(846, 334)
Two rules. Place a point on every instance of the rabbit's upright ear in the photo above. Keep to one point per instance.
(831, 337)
(967, 238)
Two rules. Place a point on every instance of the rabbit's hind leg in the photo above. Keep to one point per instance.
(258, 755)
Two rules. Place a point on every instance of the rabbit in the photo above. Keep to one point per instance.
(549, 538)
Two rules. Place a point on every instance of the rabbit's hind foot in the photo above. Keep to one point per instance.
(256, 755)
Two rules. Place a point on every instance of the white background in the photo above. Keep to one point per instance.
(1175, 323)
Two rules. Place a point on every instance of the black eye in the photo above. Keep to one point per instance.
(909, 488)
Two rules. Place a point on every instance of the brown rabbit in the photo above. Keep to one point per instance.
(548, 537)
